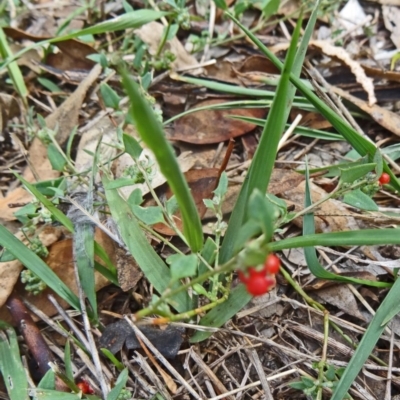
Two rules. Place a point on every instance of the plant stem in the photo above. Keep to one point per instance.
(163, 41)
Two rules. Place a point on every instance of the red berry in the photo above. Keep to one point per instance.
(255, 272)
(272, 264)
(258, 285)
(85, 387)
(384, 179)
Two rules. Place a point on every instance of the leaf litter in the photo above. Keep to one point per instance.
(249, 357)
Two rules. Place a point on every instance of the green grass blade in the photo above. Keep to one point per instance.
(262, 165)
(151, 131)
(148, 260)
(310, 253)
(130, 20)
(360, 144)
(34, 263)
(237, 90)
(57, 214)
(84, 258)
(11, 367)
(13, 69)
(390, 305)
(119, 385)
(263, 162)
(299, 130)
(239, 104)
(361, 237)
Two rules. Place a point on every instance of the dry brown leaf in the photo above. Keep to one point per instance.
(152, 34)
(388, 119)
(310, 119)
(213, 126)
(201, 182)
(66, 117)
(9, 108)
(9, 271)
(338, 52)
(73, 53)
(391, 17)
(330, 216)
(341, 297)
(381, 73)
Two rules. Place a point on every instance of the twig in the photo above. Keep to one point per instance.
(160, 357)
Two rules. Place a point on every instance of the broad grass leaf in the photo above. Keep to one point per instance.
(34, 263)
(148, 260)
(150, 130)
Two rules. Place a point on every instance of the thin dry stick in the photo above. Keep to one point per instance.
(211, 25)
(145, 386)
(163, 360)
(255, 359)
(45, 318)
(169, 382)
(257, 383)
(200, 362)
(289, 131)
(151, 374)
(105, 388)
(244, 380)
(388, 392)
(192, 377)
(354, 290)
(78, 333)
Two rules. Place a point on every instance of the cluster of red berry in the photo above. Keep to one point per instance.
(384, 179)
(85, 387)
(258, 282)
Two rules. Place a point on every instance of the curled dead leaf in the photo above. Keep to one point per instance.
(214, 126)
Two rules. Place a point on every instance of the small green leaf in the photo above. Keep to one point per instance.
(261, 210)
(222, 187)
(350, 175)
(173, 30)
(182, 266)
(120, 182)
(132, 146)
(135, 198)
(172, 205)
(48, 381)
(221, 4)
(330, 373)
(309, 383)
(359, 199)
(269, 7)
(148, 215)
(110, 96)
(6, 256)
(49, 85)
(200, 290)
(297, 385)
(56, 159)
(209, 204)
